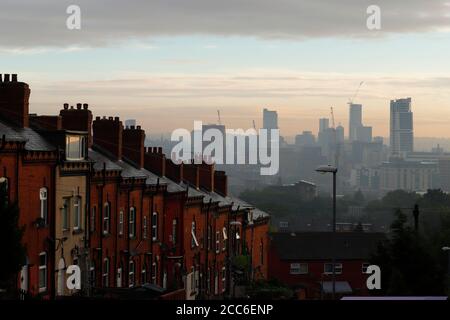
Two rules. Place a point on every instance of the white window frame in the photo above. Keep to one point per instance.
(364, 267)
(119, 277)
(154, 272)
(93, 218)
(217, 241)
(81, 146)
(131, 274)
(105, 273)
(224, 279)
(296, 268)
(121, 222)
(106, 218)
(77, 213)
(194, 242)
(144, 227)
(43, 198)
(337, 267)
(144, 274)
(155, 226)
(225, 237)
(43, 271)
(132, 222)
(65, 214)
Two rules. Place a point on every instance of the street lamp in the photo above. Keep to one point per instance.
(330, 169)
(448, 280)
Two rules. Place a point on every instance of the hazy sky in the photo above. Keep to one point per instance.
(169, 62)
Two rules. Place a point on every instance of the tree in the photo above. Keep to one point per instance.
(407, 266)
(11, 247)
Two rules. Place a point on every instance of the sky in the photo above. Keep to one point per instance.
(167, 63)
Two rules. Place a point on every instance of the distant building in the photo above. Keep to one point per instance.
(401, 127)
(130, 123)
(340, 134)
(355, 120)
(364, 134)
(324, 124)
(270, 119)
(305, 139)
(408, 175)
(305, 190)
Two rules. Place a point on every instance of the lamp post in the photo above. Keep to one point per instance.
(330, 169)
(448, 275)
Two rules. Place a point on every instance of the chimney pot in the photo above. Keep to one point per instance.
(6, 77)
(71, 107)
(104, 118)
(110, 118)
(14, 77)
(132, 127)
(66, 106)
(78, 106)
(115, 118)
(85, 106)
(138, 127)
(97, 118)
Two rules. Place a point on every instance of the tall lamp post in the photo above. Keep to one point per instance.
(330, 169)
(448, 275)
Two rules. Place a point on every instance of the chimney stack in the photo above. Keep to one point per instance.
(108, 135)
(155, 161)
(77, 119)
(14, 101)
(133, 147)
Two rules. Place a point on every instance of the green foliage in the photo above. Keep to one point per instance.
(407, 265)
(13, 252)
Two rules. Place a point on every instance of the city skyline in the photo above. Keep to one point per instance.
(299, 67)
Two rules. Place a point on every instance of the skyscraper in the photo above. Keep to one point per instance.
(401, 133)
(324, 124)
(270, 119)
(355, 120)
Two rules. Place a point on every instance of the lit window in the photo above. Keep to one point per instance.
(65, 214)
(106, 218)
(105, 275)
(132, 222)
(154, 226)
(299, 268)
(225, 238)
(43, 197)
(42, 272)
(144, 227)
(75, 146)
(77, 213)
(131, 273)
(121, 222)
(194, 242)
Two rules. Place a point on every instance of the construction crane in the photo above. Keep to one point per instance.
(218, 116)
(254, 125)
(350, 100)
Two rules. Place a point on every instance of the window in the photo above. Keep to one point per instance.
(105, 275)
(154, 272)
(5, 186)
(217, 242)
(224, 279)
(132, 222)
(75, 146)
(42, 272)
(209, 237)
(225, 237)
(208, 280)
(299, 268)
(364, 267)
(119, 277)
(131, 273)
(43, 197)
(154, 226)
(144, 228)
(93, 217)
(192, 279)
(174, 231)
(328, 268)
(144, 274)
(121, 222)
(194, 242)
(106, 218)
(92, 274)
(65, 214)
(76, 213)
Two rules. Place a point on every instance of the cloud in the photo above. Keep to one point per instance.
(30, 23)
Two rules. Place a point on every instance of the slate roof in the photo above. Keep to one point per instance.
(99, 159)
(33, 140)
(321, 245)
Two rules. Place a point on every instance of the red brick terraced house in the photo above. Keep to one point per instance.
(146, 222)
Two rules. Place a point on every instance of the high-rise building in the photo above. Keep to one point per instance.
(305, 139)
(324, 124)
(401, 133)
(364, 134)
(340, 134)
(270, 119)
(355, 120)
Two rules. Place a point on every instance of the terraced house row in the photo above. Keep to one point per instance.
(90, 193)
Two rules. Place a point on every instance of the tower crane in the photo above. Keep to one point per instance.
(350, 100)
(218, 116)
